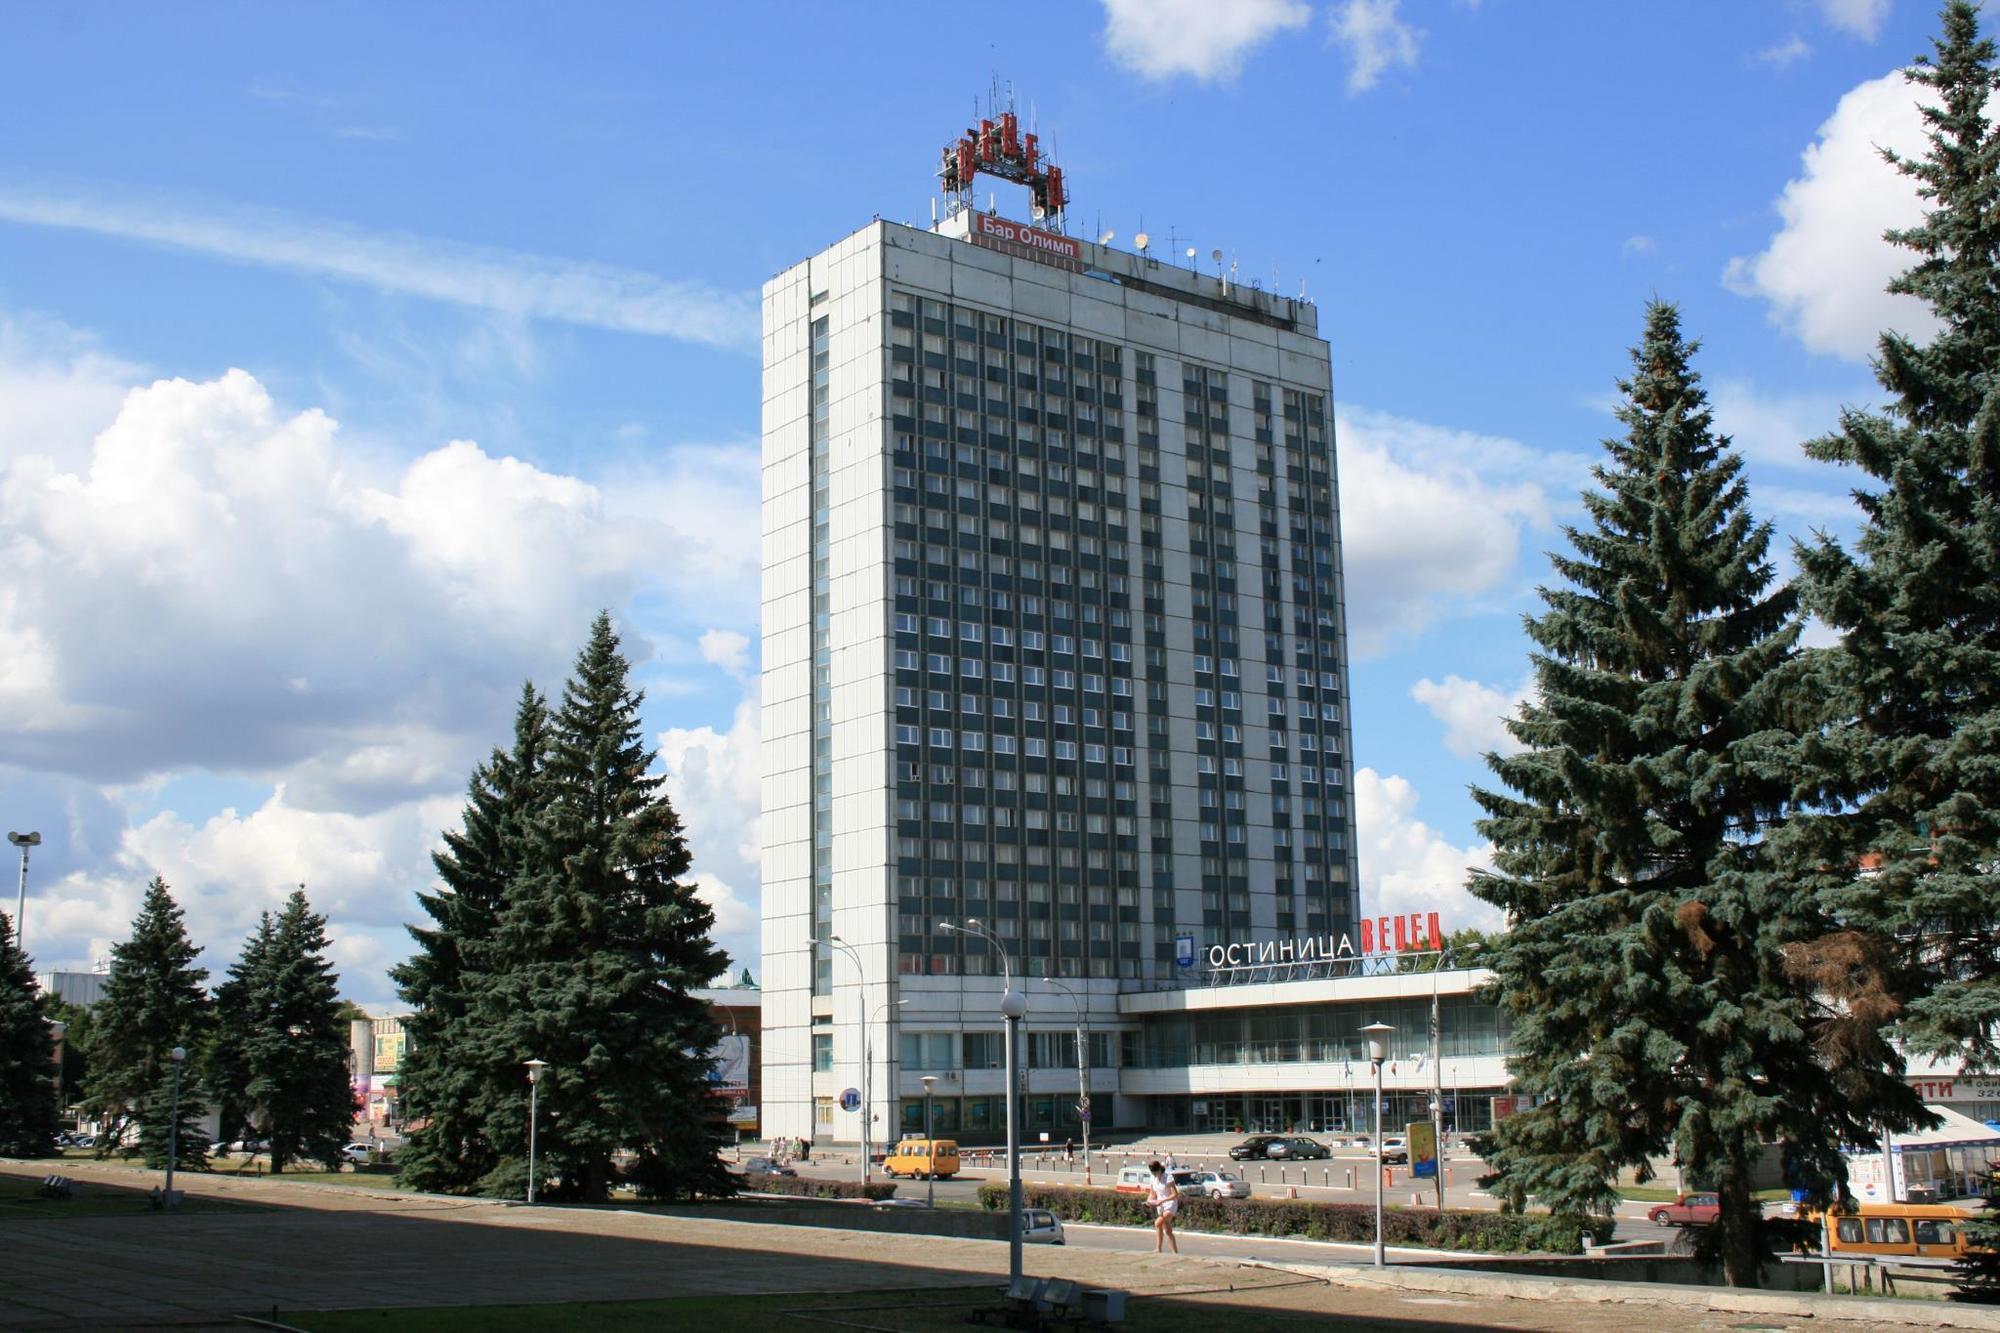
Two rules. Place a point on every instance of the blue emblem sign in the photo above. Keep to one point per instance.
(850, 1100)
(1184, 950)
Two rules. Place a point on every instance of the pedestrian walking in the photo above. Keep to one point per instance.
(1069, 1151)
(1170, 1159)
(1166, 1204)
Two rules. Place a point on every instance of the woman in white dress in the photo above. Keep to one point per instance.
(1165, 1203)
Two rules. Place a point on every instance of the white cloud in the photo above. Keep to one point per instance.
(714, 780)
(1474, 714)
(508, 281)
(1430, 517)
(1200, 38)
(1638, 245)
(1408, 866)
(727, 649)
(1771, 427)
(1375, 39)
(1786, 53)
(1825, 270)
(1862, 18)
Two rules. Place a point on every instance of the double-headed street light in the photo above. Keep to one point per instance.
(1013, 1007)
(536, 1068)
(1082, 1077)
(867, 1057)
(1378, 1051)
(24, 841)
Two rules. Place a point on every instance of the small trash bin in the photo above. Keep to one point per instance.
(1104, 1307)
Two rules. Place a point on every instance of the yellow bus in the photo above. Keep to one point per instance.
(1899, 1230)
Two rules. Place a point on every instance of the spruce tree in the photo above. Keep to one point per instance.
(447, 1081)
(153, 1001)
(238, 1018)
(1905, 838)
(1644, 970)
(297, 1049)
(28, 1071)
(598, 945)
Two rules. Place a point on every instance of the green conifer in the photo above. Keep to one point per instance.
(598, 945)
(297, 1048)
(28, 1111)
(1644, 971)
(446, 1079)
(153, 1002)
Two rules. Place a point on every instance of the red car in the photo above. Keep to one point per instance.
(1687, 1210)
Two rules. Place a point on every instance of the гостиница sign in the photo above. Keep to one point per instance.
(1411, 932)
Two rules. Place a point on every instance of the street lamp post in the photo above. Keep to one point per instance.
(179, 1056)
(1437, 1079)
(1378, 1051)
(1013, 1007)
(868, 1089)
(24, 841)
(930, 1177)
(1082, 1078)
(536, 1068)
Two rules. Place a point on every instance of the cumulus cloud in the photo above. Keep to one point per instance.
(1162, 38)
(214, 581)
(714, 779)
(1825, 270)
(1862, 18)
(1408, 866)
(1431, 517)
(727, 649)
(1375, 39)
(507, 281)
(1474, 714)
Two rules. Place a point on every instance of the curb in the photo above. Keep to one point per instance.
(1717, 1300)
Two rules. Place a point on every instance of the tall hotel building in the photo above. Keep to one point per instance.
(1054, 642)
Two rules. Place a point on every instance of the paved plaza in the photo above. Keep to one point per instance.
(300, 1246)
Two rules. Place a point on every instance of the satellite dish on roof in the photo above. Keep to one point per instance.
(1105, 239)
(1142, 240)
(1215, 256)
(1190, 252)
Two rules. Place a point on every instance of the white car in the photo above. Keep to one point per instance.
(1039, 1226)
(1395, 1148)
(359, 1152)
(1218, 1185)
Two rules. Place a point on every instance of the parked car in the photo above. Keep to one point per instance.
(1395, 1148)
(1039, 1226)
(1687, 1210)
(1361, 1141)
(764, 1166)
(1298, 1149)
(359, 1152)
(1218, 1185)
(1256, 1148)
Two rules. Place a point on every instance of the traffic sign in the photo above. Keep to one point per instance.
(851, 1100)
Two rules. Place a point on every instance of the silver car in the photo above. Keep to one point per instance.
(1219, 1185)
(1039, 1226)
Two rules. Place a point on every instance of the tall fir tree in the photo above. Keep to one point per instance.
(1644, 971)
(153, 1001)
(446, 1080)
(1903, 842)
(28, 1071)
(297, 1050)
(238, 1018)
(598, 945)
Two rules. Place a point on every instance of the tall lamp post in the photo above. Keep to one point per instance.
(1013, 1007)
(867, 1056)
(536, 1068)
(1437, 1076)
(1082, 1078)
(179, 1056)
(24, 841)
(1378, 1051)
(930, 1177)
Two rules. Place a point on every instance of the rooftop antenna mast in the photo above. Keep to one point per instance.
(996, 146)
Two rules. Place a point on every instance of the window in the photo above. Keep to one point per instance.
(1887, 1231)
(823, 1052)
(823, 1111)
(1849, 1230)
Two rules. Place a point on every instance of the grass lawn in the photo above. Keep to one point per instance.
(1650, 1194)
(368, 1180)
(21, 1199)
(925, 1311)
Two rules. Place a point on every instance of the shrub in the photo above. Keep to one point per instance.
(799, 1187)
(1353, 1223)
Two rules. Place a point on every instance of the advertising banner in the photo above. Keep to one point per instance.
(729, 1070)
(1422, 1136)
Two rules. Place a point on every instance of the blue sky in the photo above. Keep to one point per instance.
(350, 359)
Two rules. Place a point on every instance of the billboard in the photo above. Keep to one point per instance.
(1422, 1138)
(729, 1064)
